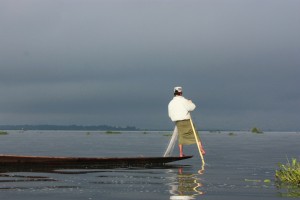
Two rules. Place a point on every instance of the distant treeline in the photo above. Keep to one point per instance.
(68, 127)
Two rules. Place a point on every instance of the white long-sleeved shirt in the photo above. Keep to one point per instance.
(179, 108)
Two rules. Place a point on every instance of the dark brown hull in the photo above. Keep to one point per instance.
(14, 160)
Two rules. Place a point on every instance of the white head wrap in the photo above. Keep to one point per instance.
(178, 89)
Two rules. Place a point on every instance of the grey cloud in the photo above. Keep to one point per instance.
(116, 62)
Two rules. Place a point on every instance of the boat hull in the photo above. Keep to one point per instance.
(15, 160)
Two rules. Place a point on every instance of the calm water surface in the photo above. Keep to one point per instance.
(237, 166)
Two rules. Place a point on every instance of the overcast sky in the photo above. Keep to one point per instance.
(115, 62)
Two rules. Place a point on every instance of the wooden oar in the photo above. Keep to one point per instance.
(197, 141)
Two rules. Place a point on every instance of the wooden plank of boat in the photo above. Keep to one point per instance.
(85, 161)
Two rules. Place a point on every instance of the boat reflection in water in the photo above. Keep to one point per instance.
(187, 185)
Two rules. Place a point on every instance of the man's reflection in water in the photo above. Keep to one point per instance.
(187, 185)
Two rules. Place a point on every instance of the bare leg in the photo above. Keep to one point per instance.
(201, 148)
(180, 150)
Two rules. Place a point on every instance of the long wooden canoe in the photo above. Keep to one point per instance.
(16, 160)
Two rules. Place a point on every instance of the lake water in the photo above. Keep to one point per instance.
(238, 166)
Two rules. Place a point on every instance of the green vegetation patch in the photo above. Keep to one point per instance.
(258, 180)
(288, 178)
(289, 173)
(256, 130)
(3, 132)
(113, 132)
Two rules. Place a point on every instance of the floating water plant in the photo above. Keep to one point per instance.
(258, 181)
(113, 132)
(256, 130)
(267, 181)
(289, 174)
(3, 132)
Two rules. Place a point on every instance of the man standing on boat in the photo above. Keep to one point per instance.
(179, 110)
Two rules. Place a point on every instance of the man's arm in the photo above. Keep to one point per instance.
(190, 106)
